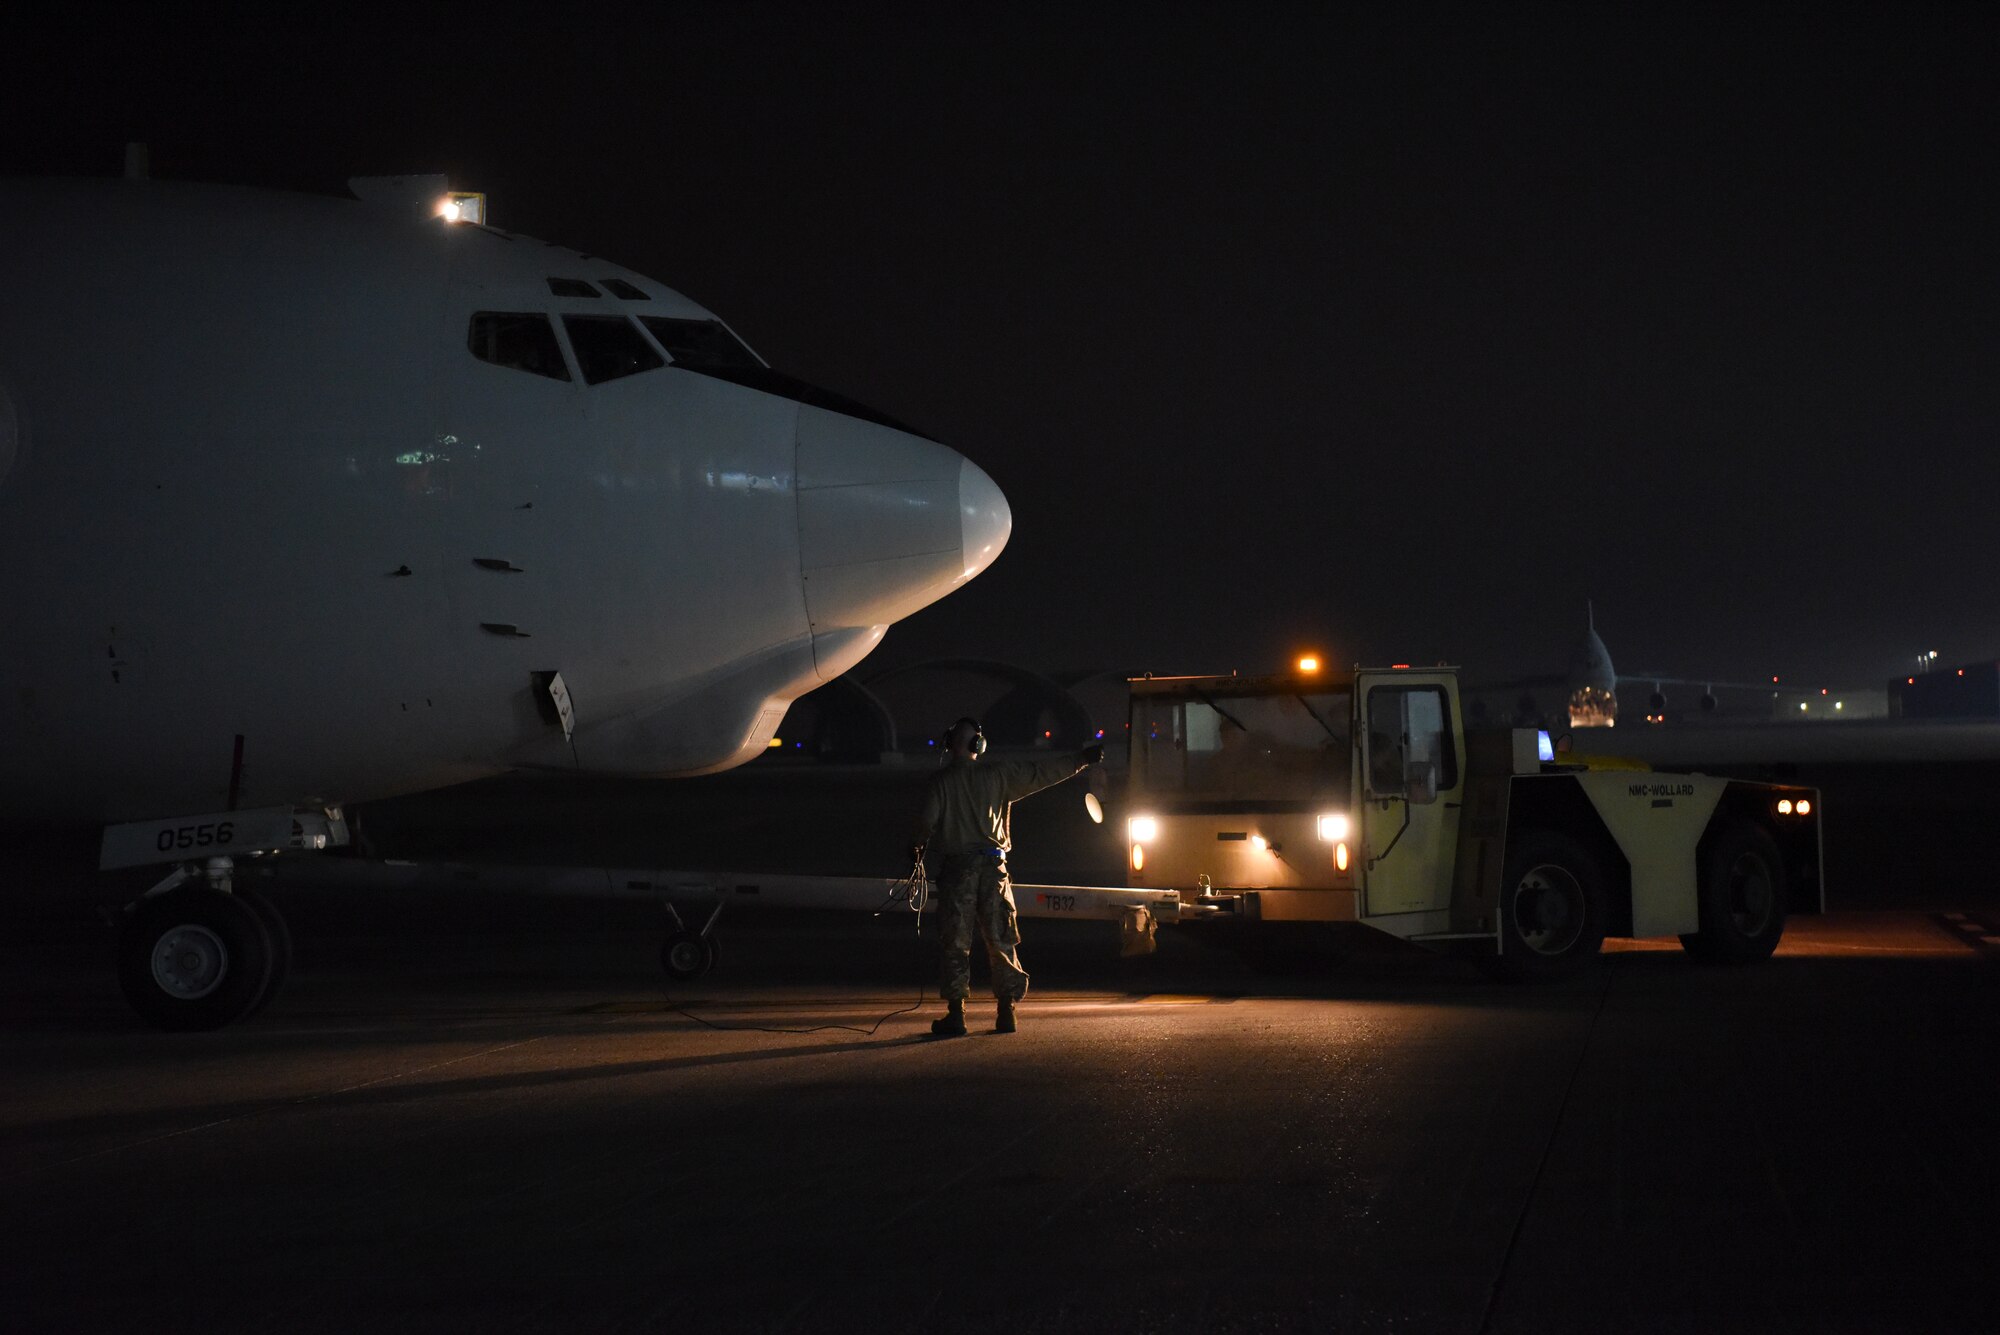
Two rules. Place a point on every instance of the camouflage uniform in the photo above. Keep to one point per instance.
(973, 888)
(967, 828)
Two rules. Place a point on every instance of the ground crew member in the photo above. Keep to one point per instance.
(965, 827)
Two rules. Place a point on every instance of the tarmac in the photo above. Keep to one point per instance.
(478, 1108)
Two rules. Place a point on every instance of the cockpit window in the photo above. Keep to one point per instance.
(521, 341)
(623, 290)
(572, 287)
(706, 348)
(699, 345)
(608, 347)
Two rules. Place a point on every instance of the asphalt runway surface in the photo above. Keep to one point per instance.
(484, 1111)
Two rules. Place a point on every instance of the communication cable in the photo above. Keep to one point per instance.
(913, 890)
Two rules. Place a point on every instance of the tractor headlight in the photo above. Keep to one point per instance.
(1333, 827)
(1144, 829)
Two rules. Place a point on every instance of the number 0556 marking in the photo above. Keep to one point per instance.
(215, 834)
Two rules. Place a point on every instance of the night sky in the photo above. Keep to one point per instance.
(1394, 334)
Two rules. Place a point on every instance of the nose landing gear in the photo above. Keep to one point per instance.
(197, 953)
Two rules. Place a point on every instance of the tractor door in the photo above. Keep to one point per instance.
(1412, 783)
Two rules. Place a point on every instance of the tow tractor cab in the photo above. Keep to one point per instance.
(1360, 797)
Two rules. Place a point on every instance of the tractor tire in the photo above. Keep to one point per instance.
(1552, 908)
(1742, 896)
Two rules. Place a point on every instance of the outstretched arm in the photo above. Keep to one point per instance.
(1022, 777)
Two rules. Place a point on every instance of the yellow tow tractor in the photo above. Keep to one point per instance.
(1361, 797)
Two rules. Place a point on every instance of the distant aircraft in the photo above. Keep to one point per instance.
(1759, 745)
(1590, 684)
(306, 501)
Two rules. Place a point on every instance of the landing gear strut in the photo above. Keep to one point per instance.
(196, 953)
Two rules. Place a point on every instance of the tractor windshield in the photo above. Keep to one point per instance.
(1292, 747)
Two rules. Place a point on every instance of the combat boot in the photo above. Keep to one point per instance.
(1003, 1019)
(952, 1023)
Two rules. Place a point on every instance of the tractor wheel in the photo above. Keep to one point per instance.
(1552, 907)
(1742, 898)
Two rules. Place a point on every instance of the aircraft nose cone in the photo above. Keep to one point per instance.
(984, 520)
(888, 521)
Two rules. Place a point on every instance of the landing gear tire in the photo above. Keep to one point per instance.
(1742, 898)
(194, 958)
(1552, 908)
(280, 936)
(688, 955)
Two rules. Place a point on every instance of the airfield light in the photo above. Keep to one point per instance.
(1308, 663)
(1784, 806)
(1144, 829)
(1803, 807)
(1340, 857)
(1837, 703)
(1802, 705)
(1333, 827)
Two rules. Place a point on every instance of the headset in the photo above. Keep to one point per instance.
(978, 744)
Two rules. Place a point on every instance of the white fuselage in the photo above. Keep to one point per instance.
(255, 484)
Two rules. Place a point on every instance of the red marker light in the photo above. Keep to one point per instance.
(1400, 667)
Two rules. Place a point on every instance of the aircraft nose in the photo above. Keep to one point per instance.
(984, 521)
(888, 521)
